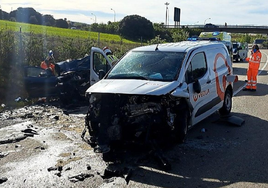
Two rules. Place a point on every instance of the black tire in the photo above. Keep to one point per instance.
(181, 126)
(227, 104)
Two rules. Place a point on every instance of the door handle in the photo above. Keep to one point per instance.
(209, 81)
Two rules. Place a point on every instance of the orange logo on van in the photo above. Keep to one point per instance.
(200, 95)
(218, 86)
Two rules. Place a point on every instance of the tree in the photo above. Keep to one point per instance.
(24, 15)
(33, 20)
(180, 35)
(61, 23)
(136, 27)
(4, 15)
(94, 27)
(162, 32)
(157, 40)
(102, 28)
(48, 20)
(112, 27)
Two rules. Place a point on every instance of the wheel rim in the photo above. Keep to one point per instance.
(228, 101)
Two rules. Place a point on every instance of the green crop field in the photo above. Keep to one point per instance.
(54, 31)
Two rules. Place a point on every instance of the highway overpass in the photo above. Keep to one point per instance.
(226, 28)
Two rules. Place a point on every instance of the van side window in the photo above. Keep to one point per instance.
(197, 68)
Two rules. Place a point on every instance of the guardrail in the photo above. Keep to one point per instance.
(227, 28)
(216, 26)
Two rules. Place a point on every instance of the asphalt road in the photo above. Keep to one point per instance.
(215, 154)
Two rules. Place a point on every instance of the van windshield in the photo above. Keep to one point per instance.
(153, 65)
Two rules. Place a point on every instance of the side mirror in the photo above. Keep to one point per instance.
(181, 91)
(101, 74)
(197, 86)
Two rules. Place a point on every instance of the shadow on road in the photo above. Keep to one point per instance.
(262, 90)
(219, 156)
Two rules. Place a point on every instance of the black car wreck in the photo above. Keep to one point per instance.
(72, 78)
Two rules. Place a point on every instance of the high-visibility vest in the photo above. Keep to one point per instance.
(50, 66)
(254, 60)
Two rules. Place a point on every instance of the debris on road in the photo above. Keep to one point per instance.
(80, 177)
(2, 180)
(234, 120)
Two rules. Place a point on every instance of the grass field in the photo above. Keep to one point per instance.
(54, 31)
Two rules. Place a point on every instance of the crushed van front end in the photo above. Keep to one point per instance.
(121, 118)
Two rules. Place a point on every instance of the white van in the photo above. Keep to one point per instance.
(165, 88)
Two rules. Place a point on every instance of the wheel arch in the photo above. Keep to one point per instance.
(186, 105)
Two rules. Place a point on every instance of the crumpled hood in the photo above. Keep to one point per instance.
(127, 86)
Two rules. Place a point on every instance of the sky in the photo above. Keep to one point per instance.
(193, 12)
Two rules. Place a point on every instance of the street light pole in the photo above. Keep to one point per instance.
(167, 15)
(114, 13)
(206, 20)
(95, 17)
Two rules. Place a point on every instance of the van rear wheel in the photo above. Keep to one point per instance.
(227, 104)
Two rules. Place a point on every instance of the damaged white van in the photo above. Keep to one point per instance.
(160, 90)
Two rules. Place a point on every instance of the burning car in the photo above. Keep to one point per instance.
(160, 91)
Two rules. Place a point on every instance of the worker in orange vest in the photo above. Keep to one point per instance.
(48, 63)
(253, 68)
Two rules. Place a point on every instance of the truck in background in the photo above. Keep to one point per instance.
(240, 51)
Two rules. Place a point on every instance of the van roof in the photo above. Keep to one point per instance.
(183, 46)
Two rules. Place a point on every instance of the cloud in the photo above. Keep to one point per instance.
(233, 12)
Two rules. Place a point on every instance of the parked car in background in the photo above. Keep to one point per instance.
(262, 43)
(210, 25)
(240, 51)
